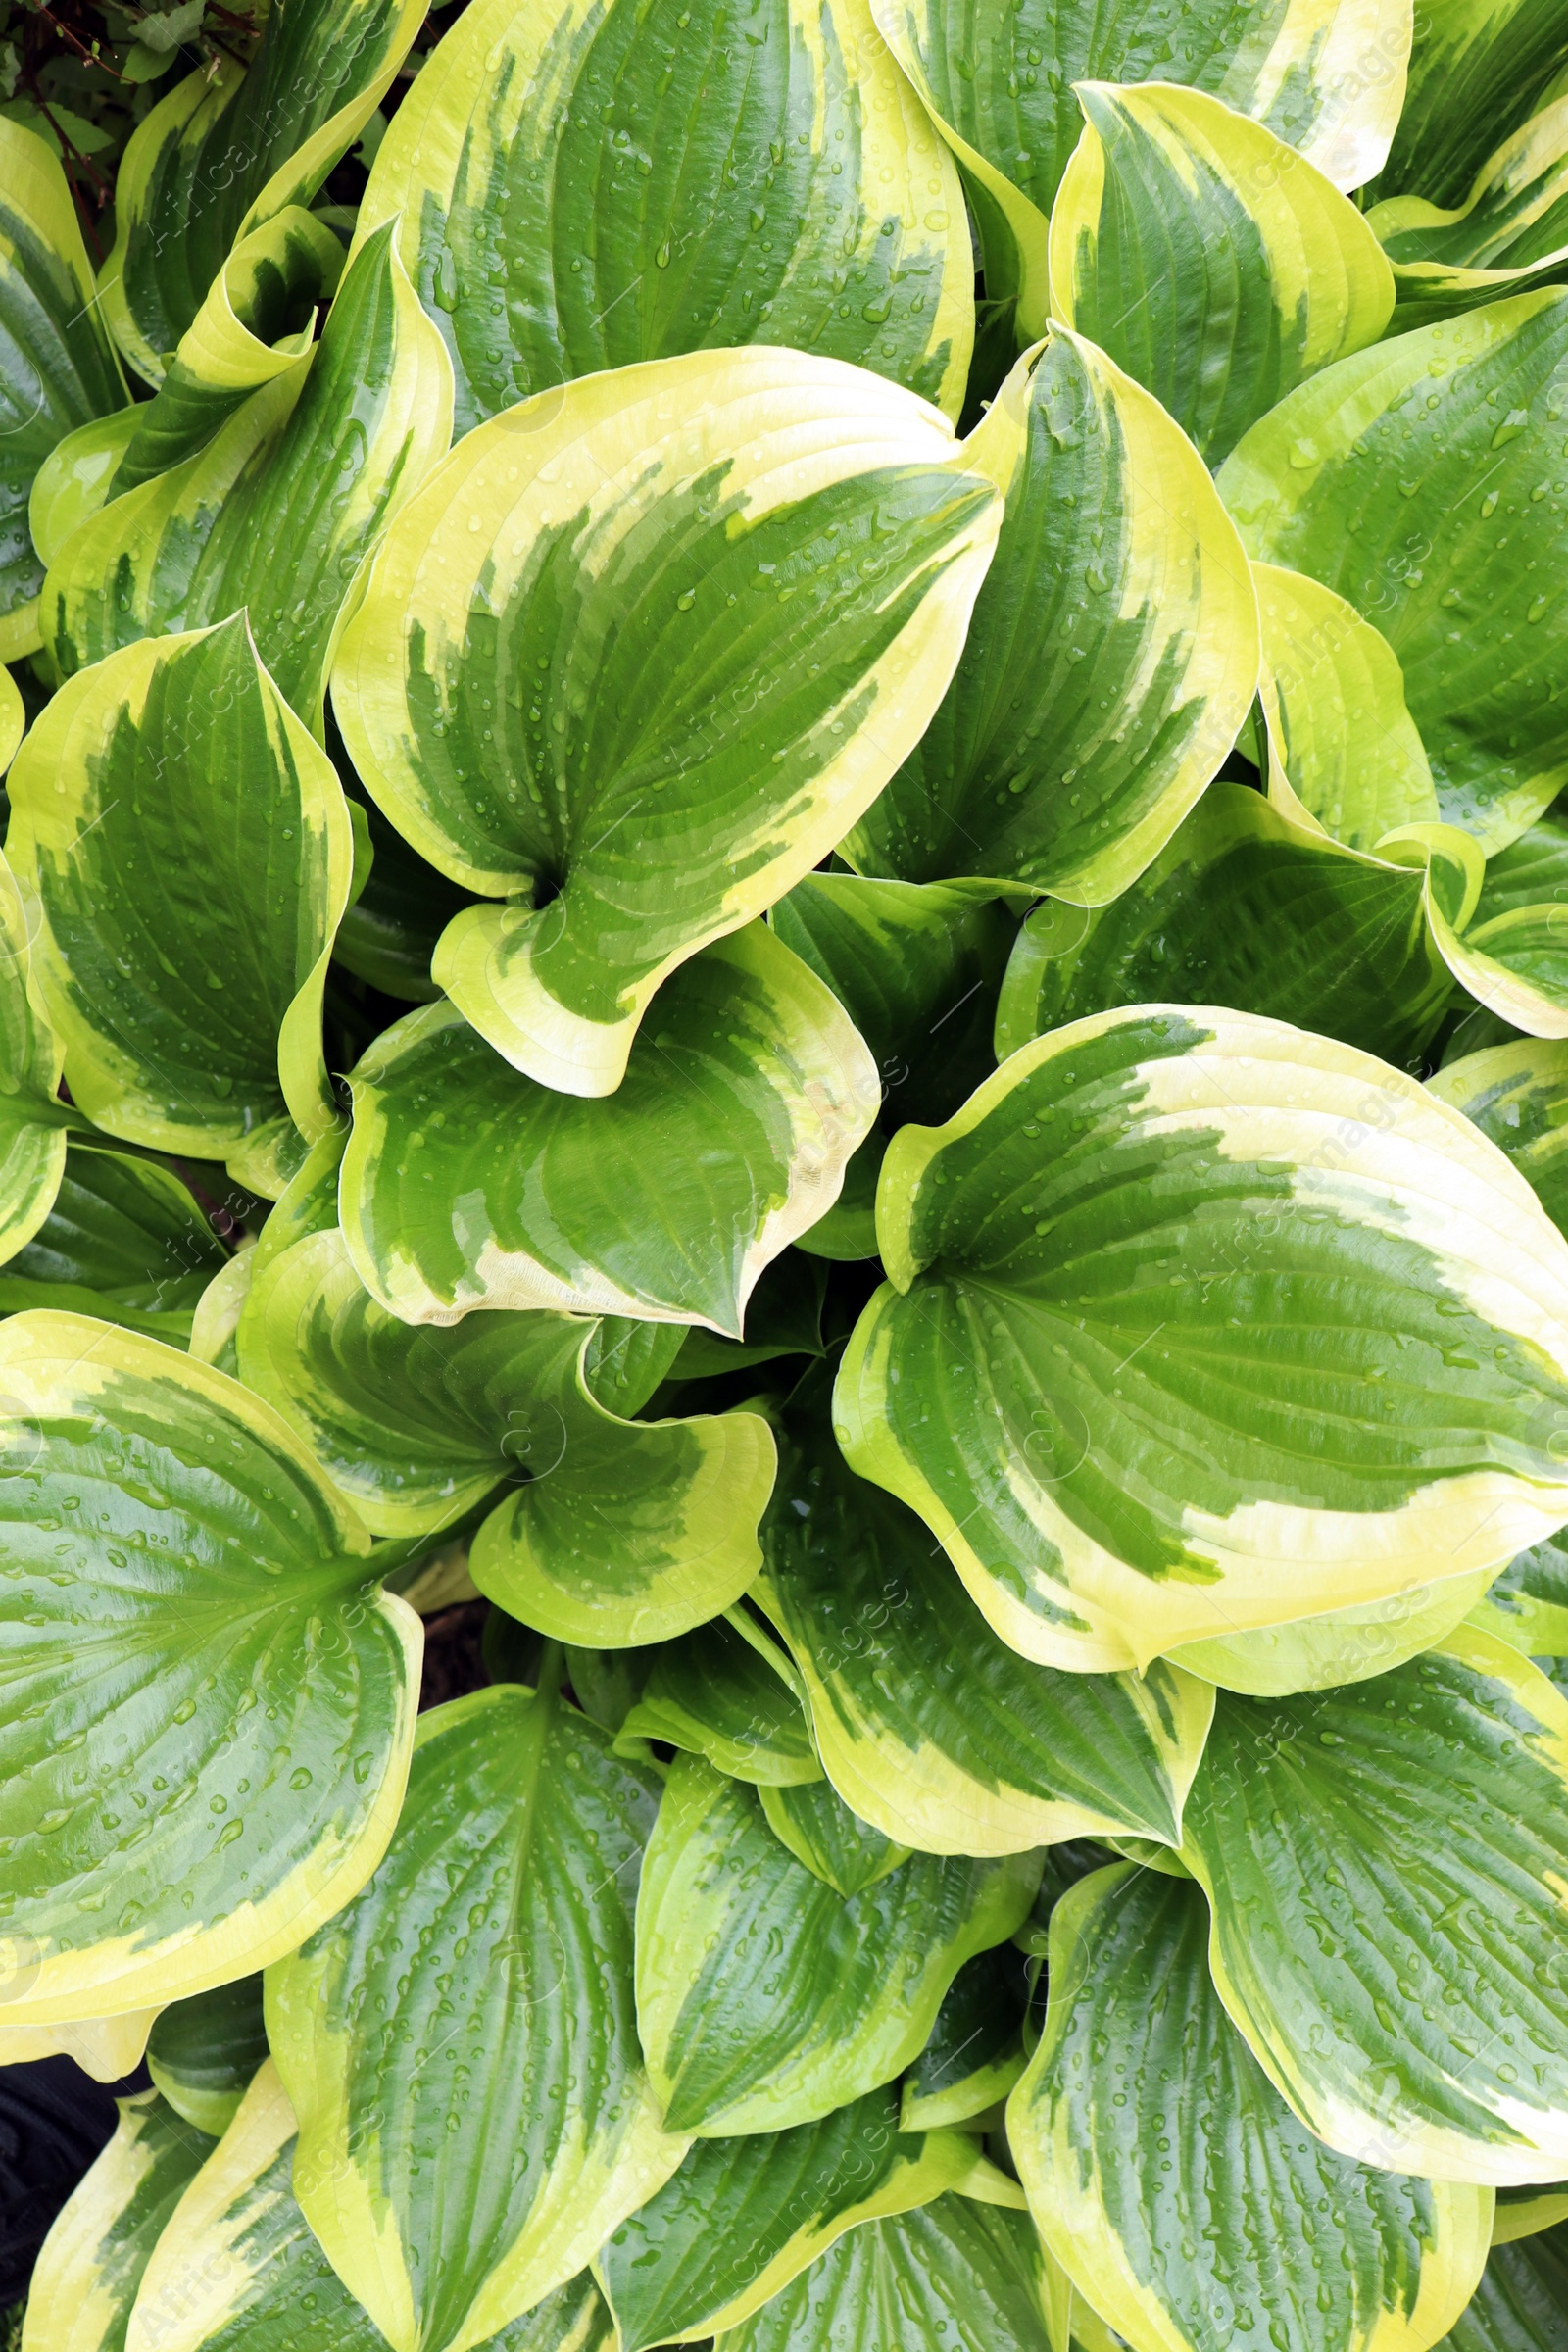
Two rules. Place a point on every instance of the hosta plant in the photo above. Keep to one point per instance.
(784, 899)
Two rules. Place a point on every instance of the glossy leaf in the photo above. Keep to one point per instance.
(500, 1925)
(966, 2275)
(1314, 1933)
(712, 1694)
(255, 322)
(743, 2217)
(1018, 778)
(91, 2265)
(728, 1138)
(1311, 934)
(1510, 231)
(1169, 2179)
(1528, 1605)
(34, 1122)
(169, 799)
(1209, 258)
(58, 368)
(1477, 68)
(916, 969)
(721, 212)
(933, 1729)
(1382, 479)
(850, 1987)
(175, 1558)
(125, 1241)
(316, 462)
(1518, 1096)
(1220, 1223)
(835, 1844)
(1521, 2301)
(228, 150)
(685, 754)
(1002, 84)
(975, 2053)
(1343, 748)
(202, 2053)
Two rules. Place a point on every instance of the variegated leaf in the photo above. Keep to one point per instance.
(714, 1694)
(1316, 1934)
(1327, 76)
(1477, 70)
(58, 368)
(848, 1989)
(928, 1724)
(966, 2275)
(742, 2217)
(472, 2166)
(1403, 478)
(123, 1240)
(1202, 1226)
(975, 2053)
(1209, 258)
(1310, 933)
(229, 149)
(615, 1531)
(34, 1122)
(1510, 231)
(665, 554)
(1018, 778)
(91, 2265)
(367, 410)
(190, 853)
(176, 1560)
(203, 2053)
(1190, 2206)
(728, 1137)
(770, 178)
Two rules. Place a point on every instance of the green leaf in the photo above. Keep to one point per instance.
(229, 149)
(73, 483)
(91, 2263)
(1169, 2179)
(389, 934)
(58, 367)
(1315, 1935)
(743, 2217)
(1517, 966)
(125, 1241)
(1528, 1605)
(1018, 778)
(1477, 70)
(366, 410)
(257, 318)
(1529, 872)
(1202, 1226)
(1343, 748)
(916, 969)
(175, 1555)
(203, 2053)
(966, 2276)
(1381, 479)
(32, 1118)
(1521, 2300)
(1511, 229)
(749, 185)
(728, 1137)
(1310, 933)
(849, 1990)
(1525, 2211)
(712, 1694)
(499, 1928)
(667, 553)
(1208, 258)
(12, 719)
(1518, 1096)
(975, 2053)
(1003, 84)
(190, 853)
(835, 1844)
(928, 1724)
(621, 1531)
